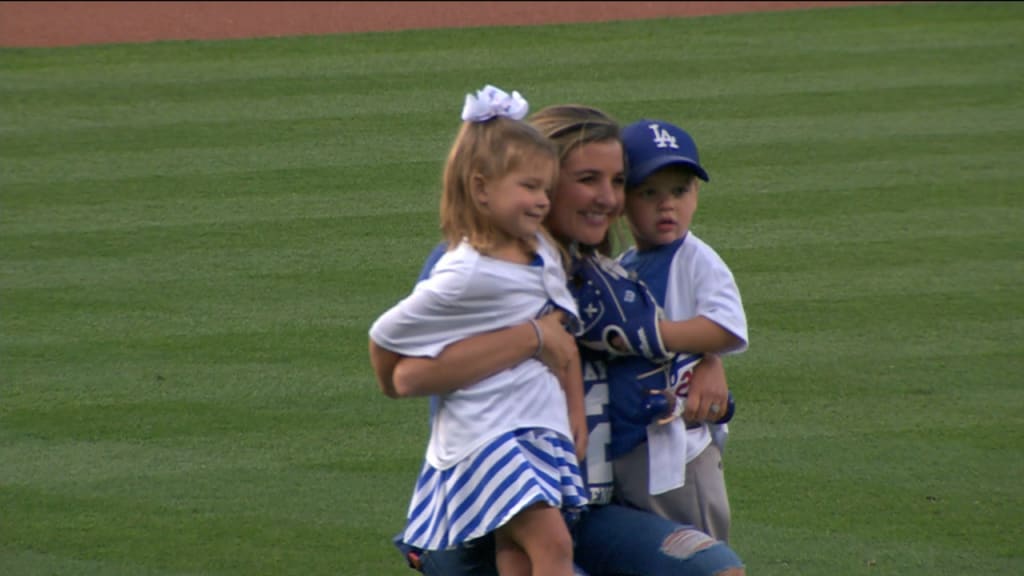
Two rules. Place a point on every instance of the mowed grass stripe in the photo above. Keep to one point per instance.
(157, 200)
(879, 224)
(371, 58)
(795, 109)
(150, 534)
(705, 109)
(171, 94)
(708, 96)
(269, 80)
(323, 150)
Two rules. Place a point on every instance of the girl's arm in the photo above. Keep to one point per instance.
(473, 359)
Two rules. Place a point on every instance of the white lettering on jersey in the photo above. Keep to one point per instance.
(592, 372)
(683, 367)
(599, 469)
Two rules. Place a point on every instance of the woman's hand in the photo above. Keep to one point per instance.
(558, 352)
(708, 389)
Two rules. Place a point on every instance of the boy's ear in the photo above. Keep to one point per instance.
(694, 182)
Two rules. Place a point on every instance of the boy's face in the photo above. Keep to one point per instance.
(661, 208)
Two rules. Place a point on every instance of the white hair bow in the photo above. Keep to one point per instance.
(491, 102)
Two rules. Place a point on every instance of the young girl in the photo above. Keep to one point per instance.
(502, 455)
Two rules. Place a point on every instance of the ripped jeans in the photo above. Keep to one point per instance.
(610, 540)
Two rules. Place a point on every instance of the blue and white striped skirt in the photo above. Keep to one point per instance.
(490, 486)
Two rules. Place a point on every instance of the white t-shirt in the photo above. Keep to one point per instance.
(467, 294)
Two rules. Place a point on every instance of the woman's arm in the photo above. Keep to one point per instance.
(384, 362)
(572, 384)
(473, 359)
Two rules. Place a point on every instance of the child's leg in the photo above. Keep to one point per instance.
(510, 558)
(541, 532)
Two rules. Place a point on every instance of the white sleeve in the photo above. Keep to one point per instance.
(429, 319)
(718, 296)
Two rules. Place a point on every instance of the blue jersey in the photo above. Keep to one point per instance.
(431, 260)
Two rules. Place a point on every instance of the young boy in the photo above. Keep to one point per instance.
(699, 294)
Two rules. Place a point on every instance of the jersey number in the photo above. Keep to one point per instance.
(599, 469)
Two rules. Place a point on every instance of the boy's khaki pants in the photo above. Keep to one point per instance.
(701, 502)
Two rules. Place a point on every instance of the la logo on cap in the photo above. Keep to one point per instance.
(662, 138)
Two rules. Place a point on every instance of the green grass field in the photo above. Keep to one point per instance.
(196, 236)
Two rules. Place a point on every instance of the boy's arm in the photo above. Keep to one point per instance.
(697, 334)
(718, 324)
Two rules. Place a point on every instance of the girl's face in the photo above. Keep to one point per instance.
(518, 201)
(589, 193)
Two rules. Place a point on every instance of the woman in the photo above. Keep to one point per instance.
(609, 539)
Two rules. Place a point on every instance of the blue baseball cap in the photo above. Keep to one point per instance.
(653, 144)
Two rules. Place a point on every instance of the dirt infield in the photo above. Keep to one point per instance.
(42, 24)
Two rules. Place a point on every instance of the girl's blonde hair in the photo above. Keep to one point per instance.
(489, 150)
(570, 126)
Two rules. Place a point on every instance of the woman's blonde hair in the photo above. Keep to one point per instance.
(489, 150)
(570, 126)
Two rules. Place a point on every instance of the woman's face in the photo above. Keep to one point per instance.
(589, 193)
